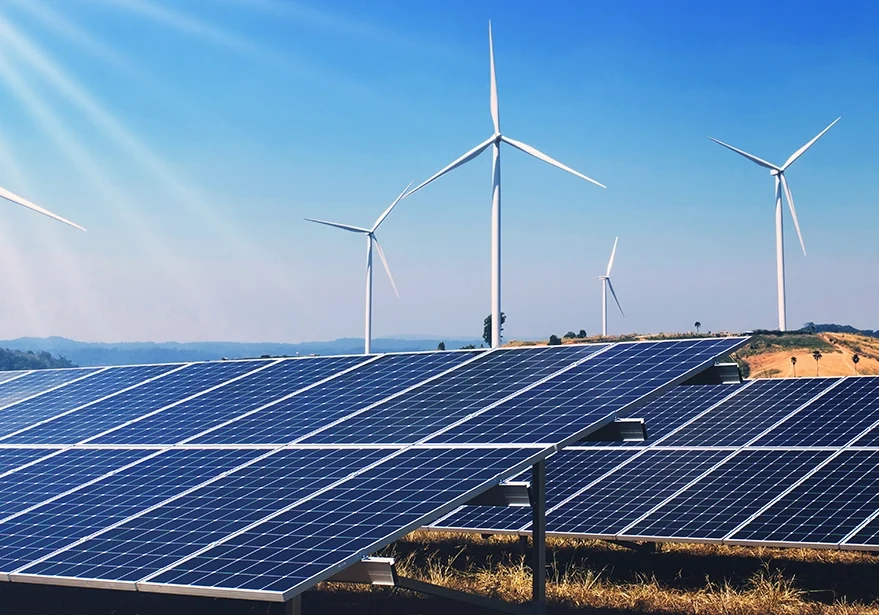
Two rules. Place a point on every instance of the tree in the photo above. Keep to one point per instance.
(569, 335)
(554, 340)
(486, 327)
(468, 347)
(582, 334)
(793, 362)
(817, 356)
(441, 346)
(856, 359)
(698, 325)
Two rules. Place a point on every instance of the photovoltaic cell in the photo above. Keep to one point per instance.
(335, 527)
(148, 543)
(36, 382)
(729, 495)
(825, 507)
(570, 402)
(11, 458)
(868, 535)
(103, 415)
(749, 413)
(74, 395)
(287, 420)
(58, 474)
(8, 375)
(832, 420)
(412, 416)
(566, 473)
(673, 408)
(212, 408)
(76, 515)
(620, 498)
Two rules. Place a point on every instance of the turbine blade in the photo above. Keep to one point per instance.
(382, 217)
(14, 198)
(750, 157)
(473, 153)
(793, 210)
(381, 255)
(344, 227)
(612, 254)
(495, 114)
(541, 156)
(613, 292)
(803, 149)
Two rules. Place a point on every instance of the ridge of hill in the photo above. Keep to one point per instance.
(28, 359)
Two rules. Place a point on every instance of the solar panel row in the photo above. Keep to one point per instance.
(772, 463)
(384, 445)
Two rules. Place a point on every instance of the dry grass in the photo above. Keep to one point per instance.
(776, 363)
(601, 578)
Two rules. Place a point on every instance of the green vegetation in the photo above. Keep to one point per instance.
(28, 359)
(554, 340)
(486, 327)
(441, 346)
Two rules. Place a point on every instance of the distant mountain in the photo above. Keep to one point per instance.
(22, 359)
(135, 353)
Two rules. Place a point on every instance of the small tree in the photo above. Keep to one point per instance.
(554, 340)
(569, 335)
(441, 346)
(698, 326)
(486, 327)
(582, 334)
(468, 347)
(793, 362)
(817, 356)
(856, 359)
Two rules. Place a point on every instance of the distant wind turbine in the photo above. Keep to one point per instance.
(605, 284)
(494, 141)
(781, 183)
(370, 240)
(14, 198)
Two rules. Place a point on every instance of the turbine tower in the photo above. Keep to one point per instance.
(14, 198)
(781, 184)
(371, 240)
(605, 284)
(494, 141)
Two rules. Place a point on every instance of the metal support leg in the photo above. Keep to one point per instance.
(294, 605)
(538, 537)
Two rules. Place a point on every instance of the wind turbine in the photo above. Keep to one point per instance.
(371, 240)
(605, 284)
(494, 141)
(781, 183)
(14, 198)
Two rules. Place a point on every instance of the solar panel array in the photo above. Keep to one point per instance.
(260, 478)
(779, 462)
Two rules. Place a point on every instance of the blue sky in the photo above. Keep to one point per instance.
(191, 137)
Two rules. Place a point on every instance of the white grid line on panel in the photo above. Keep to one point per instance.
(49, 390)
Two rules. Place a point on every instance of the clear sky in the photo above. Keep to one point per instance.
(191, 137)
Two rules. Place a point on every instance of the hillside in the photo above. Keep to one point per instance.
(21, 359)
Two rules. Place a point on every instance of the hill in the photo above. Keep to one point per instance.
(22, 359)
(89, 354)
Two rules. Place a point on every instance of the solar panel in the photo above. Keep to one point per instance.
(85, 510)
(75, 395)
(749, 413)
(572, 468)
(130, 551)
(271, 520)
(824, 508)
(316, 536)
(415, 415)
(95, 418)
(259, 388)
(34, 383)
(834, 419)
(9, 375)
(290, 419)
(727, 496)
(568, 402)
(623, 496)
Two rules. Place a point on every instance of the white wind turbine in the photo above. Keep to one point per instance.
(781, 183)
(370, 240)
(605, 284)
(14, 198)
(494, 141)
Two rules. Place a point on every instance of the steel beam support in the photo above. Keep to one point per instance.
(538, 537)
